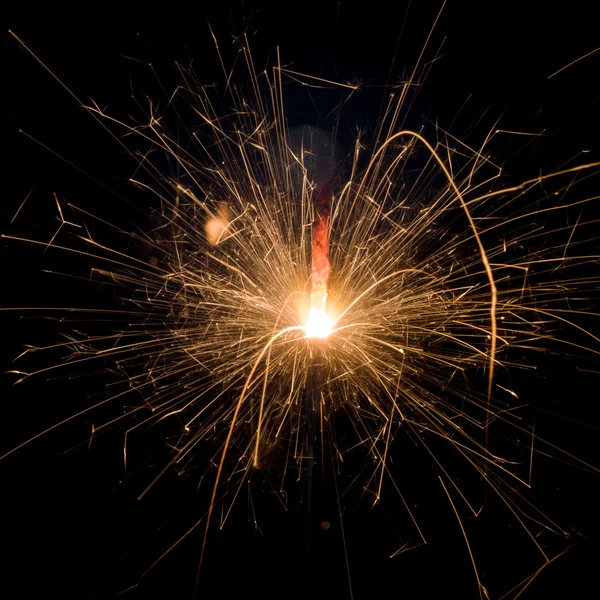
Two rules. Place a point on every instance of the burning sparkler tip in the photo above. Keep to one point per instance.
(318, 323)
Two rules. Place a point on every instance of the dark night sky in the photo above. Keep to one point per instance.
(70, 525)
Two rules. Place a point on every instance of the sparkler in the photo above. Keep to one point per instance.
(318, 322)
(318, 326)
(431, 281)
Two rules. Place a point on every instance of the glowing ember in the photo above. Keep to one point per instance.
(318, 323)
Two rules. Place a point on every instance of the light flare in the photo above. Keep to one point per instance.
(318, 323)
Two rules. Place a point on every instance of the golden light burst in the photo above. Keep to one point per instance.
(439, 273)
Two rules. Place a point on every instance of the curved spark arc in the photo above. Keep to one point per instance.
(230, 433)
(484, 258)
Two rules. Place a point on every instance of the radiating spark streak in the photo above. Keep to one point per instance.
(554, 314)
(346, 558)
(532, 182)
(110, 351)
(181, 452)
(71, 164)
(62, 222)
(389, 431)
(372, 287)
(66, 309)
(474, 512)
(524, 133)
(412, 517)
(508, 502)
(531, 452)
(57, 425)
(229, 434)
(482, 591)
(571, 235)
(300, 76)
(527, 581)
(484, 258)
(81, 252)
(70, 92)
(22, 205)
(573, 62)
(264, 388)
(479, 155)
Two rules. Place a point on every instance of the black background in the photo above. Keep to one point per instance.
(71, 526)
